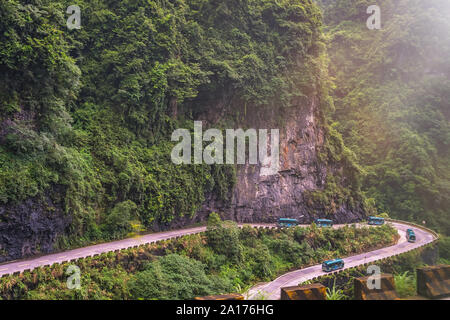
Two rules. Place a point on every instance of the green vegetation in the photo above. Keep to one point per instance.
(92, 110)
(175, 277)
(335, 294)
(391, 98)
(86, 118)
(444, 250)
(405, 284)
(194, 266)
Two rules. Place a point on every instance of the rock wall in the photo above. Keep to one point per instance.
(260, 198)
(31, 227)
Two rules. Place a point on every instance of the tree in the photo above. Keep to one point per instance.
(175, 277)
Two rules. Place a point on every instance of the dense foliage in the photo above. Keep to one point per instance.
(195, 265)
(444, 250)
(391, 97)
(86, 116)
(91, 110)
(175, 277)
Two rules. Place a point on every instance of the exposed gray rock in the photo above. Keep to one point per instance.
(260, 198)
(31, 227)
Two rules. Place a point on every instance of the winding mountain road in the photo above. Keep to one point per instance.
(271, 290)
(32, 263)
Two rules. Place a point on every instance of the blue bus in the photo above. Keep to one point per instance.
(376, 221)
(410, 235)
(324, 222)
(332, 265)
(285, 222)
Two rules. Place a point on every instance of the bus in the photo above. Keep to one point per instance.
(376, 221)
(324, 222)
(332, 265)
(285, 222)
(410, 235)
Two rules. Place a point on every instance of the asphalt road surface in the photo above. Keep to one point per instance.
(21, 265)
(272, 290)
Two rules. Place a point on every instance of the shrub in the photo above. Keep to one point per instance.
(117, 223)
(175, 277)
(335, 294)
(444, 248)
(223, 238)
(405, 284)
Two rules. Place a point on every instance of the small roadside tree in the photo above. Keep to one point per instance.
(223, 237)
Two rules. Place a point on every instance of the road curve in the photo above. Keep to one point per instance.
(271, 290)
(32, 263)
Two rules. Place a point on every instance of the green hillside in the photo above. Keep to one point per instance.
(392, 94)
(86, 114)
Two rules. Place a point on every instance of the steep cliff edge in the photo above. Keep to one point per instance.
(32, 226)
(301, 187)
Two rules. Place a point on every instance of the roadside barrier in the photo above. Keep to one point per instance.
(267, 227)
(412, 224)
(386, 292)
(231, 296)
(433, 282)
(307, 292)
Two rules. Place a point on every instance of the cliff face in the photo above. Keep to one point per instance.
(32, 227)
(265, 198)
(106, 139)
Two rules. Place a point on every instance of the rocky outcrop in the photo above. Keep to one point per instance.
(265, 198)
(32, 226)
